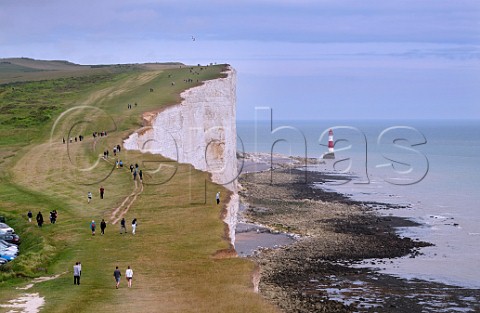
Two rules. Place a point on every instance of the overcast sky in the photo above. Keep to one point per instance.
(307, 59)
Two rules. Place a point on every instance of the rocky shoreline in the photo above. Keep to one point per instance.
(317, 273)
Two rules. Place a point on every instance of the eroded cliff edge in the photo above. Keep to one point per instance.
(201, 131)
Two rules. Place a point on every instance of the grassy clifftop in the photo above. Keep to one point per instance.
(180, 229)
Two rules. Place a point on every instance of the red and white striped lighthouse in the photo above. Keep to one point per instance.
(330, 154)
(330, 141)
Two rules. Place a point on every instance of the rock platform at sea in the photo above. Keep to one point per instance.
(320, 272)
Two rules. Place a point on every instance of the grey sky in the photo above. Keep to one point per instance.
(306, 59)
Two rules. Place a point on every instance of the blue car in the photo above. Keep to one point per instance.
(6, 256)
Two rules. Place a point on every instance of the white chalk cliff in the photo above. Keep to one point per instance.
(201, 131)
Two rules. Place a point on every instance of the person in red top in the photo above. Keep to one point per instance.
(102, 191)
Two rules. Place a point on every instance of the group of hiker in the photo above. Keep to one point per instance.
(123, 227)
(71, 139)
(39, 217)
(99, 134)
(53, 216)
(136, 171)
(77, 273)
(93, 227)
(116, 149)
(128, 275)
(101, 191)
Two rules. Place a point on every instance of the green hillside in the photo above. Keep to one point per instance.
(180, 255)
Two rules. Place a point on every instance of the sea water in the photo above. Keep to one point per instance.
(429, 167)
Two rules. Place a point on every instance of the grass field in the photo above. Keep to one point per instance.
(173, 254)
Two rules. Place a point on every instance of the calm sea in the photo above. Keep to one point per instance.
(431, 166)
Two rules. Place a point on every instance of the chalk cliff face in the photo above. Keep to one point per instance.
(200, 131)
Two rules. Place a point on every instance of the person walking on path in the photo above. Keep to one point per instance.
(76, 274)
(117, 276)
(129, 276)
(39, 219)
(134, 226)
(102, 192)
(29, 215)
(103, 225)
(122, 226)
(92, 227)
(140, 174)
(218, 197)
(89, 197)
(134, 174)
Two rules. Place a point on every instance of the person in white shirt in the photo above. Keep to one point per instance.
(134, 226)
(76, 274)
(129, 276)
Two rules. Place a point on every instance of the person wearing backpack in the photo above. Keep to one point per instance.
(92, 227)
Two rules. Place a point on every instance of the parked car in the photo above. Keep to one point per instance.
(8, 243)
(5, 229)
(8, 252)
(7, 257)
(4, 251)
(10, 238)
(6, 247)
(11, 253)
